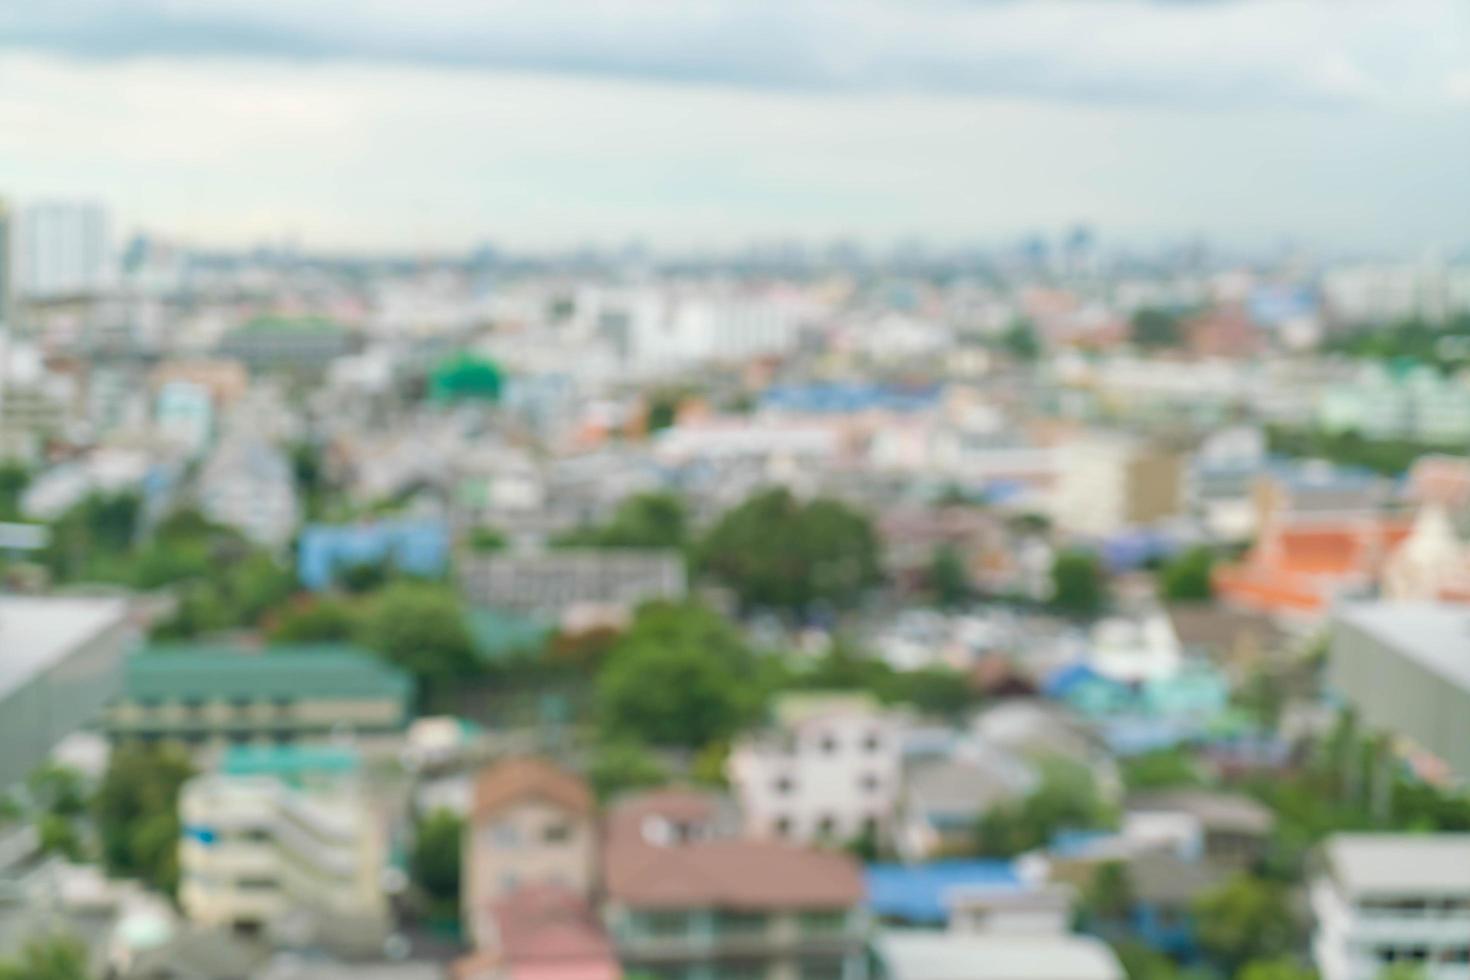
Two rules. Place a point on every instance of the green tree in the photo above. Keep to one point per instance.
(1243, 920)
(57, 789)
(1066, 799)
(1142, 962)
(1109, 894)
(1021, 340)
(644, 520)
(676, 678)
(1078, 585)
(949, 579)
(1278, 968)
(14, 478)
(486, 539)
(1152, 327)
(775, 551)
(421, 628)
(55, 957)
(435, 860)
(136, 812)
(318, 619)
(58, 835)
(1161, 769)
(1186, 577)
(621, 766)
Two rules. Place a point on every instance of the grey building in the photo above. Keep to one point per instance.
(1405, 668)
(550, 582)
(60, 663)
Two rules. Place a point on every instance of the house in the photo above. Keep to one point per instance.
(685, 898)
(1233, 829)
(1381, 900)
(929, 955)
(286, 842)
(554, 582)
(827, 770)
(942, 799)
(415, 547)
(921, 894)
(541, 932)
(247, 484)
(530, 824)
(203, 695)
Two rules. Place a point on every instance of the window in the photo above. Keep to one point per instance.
(872, 742)
(870, 783)
(823, 922)
(741, 923)
(784, 785)
(829, 743)
(256, 883)
(827, 825)
(556, 833)
(783, 826)
(505, 835)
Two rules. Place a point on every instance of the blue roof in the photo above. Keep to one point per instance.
(1075, 843)
(916, 892)
(418, 547)
(288, 761)
(839, 397)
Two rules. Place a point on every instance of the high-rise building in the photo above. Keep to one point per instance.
(62, 248)
(7, 268)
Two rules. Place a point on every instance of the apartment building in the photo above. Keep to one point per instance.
(683, 898)
(205, 696)
(1381, 900)
(286, 841)
(552, 582)
(530, 825)
(1108, 483)
(827, 770)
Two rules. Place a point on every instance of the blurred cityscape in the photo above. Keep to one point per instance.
(1056, 610)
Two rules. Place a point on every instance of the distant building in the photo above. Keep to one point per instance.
(247, 484)
(415, 547)
(185, 415)
(61, 661)
(553, 582)
(201, 695)
(530, 825)
(63, 249)
(1233, 830)
(1422, 648)
(828, 770)
(286, 842)
(1109, 483)
(1382, 900)
(291, 344)
(682, 898)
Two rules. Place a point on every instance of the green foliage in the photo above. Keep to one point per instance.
(233, 593)
(14, 478)
(57, 789)
(317, 619)
(1414, 339)
(435, 861)
(937, 691)
(93, 538)
(1279, 968)
(1066, 799)
(644, 520)
(484, 539)
(58, 835)
(421, 628)
(136, 813)
(1142, 962)
(622, 766)
(1021, 340)
(775, 551)
(1186, 577)
(1389, 457)
(1243, 920)
(57, 957)
(1109, 893)
(678, 677)
(308, 470)
(1153, 327)
(949, 579)
(1170, 768)
(1078, 586)
(663, 411)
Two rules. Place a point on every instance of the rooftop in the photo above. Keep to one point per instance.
(924, 955)
(920, 893)
(181, 671)
(1405, 864)
(1434, 635)
(36, 633)
(515, 780)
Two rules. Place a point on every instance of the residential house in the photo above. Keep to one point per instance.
(201, 695)
(414, 547)
(827, 770)
(287, 842)
(1384, 900)
(1234, 830)
(530, 824)
(683, 898)
(541, 932)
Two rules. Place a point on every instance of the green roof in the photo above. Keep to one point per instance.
(289, 761)
(184, 670)
(498, 633)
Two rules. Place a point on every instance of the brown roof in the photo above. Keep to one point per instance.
(1224, 812)
(548, 922)
(716, 871)
(515, 780)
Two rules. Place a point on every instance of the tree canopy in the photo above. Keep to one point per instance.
(421, 627)
(1078, 585)
(1186, 577)
(136, 811)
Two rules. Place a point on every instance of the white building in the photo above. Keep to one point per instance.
(829, 770)
(247, 485)
(63, 249)
(1385, 899)
(286, 843)
(1106, 484)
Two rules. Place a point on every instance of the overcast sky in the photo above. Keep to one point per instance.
(425, 124)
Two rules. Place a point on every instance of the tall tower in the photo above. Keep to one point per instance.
(7, 266)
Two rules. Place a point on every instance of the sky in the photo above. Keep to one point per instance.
(436, 124)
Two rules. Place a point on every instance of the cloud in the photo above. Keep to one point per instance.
(1196, 54)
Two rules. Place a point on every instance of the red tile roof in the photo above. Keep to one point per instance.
(544, 932)
(516, 780)
(716, 872)
(1298, 567)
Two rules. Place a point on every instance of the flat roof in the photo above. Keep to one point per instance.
(1434, 635)
(38, 632)
(936, 955)
(1401, 863)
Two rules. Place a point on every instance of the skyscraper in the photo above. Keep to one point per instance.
(62, 248)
